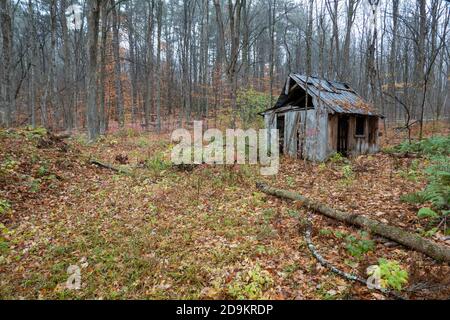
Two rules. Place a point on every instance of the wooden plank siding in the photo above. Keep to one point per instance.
(322, 133)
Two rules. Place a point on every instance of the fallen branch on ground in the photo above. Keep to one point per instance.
(306, 226)
(410, 240)
(104, 165)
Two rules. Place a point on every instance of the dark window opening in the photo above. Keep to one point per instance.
(360, 126)
(297, 98)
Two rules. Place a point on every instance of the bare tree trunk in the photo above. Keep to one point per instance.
(7, 40)
(149, 76)
(204, 56)
(220, 56)
(393, 56)
(346, 69)
(67, 101)
(33, 53)
(92, 74)
(420, 72)
(234, 18)
(272, 5)
(159, 14)
(133, 62)
(104, 116)
(53, 74)
(117, 64)
(246, 42)
(333, 11)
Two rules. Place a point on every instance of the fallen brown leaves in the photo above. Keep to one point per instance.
(160, 233)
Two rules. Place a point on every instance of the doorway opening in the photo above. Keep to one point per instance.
(342, 143)
(280, 128)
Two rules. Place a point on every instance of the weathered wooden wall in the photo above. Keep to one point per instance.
(321, 134)
(362, 144)
(332, 133)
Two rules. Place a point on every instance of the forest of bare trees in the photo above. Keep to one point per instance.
(90, 64)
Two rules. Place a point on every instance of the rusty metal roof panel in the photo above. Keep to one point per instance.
(339, 97)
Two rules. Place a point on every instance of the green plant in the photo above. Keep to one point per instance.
(437, 193)
(434, 146)
(8, 166)
(348, 175)
(339, 234)
(325, 232)
(438, 189)
(5, 206)
(258, 199)
(251, 103)
(390, 274)
(143, 142)
(290, 182)
(322, 167)
(36, 133)
(413, 172)
(425, 213)
(42, 171)
(35, 185)
(293, 214)
(157, 163)
(4, 244)
(358, 246)
(347, 172)
(250, 284)
(337, 158)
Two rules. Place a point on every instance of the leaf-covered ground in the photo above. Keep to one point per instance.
(152, 231)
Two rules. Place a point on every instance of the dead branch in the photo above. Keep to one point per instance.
(306, 226)
(104, 165)
(410, 240)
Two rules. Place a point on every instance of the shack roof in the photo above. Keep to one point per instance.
(338, 97)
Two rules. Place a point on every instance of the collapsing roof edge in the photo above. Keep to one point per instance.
(338, 97)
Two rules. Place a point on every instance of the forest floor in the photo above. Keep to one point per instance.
(151, 231)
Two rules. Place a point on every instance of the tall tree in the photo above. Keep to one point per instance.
(159, 14)
(92, 73)
(7, 40)
(120, 113)
(67, 97)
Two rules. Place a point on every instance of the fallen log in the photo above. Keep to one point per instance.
(410, 240)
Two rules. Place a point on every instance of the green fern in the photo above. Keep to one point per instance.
(437, 191)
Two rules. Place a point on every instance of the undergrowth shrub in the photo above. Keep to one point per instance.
(434, 146)
(157, 163)
(5, 206)
(390, 274)
(437, 191)
(357, 246)
(250, 284)
(251, 103)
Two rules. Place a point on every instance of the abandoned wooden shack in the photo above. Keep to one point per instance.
(317, 118)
